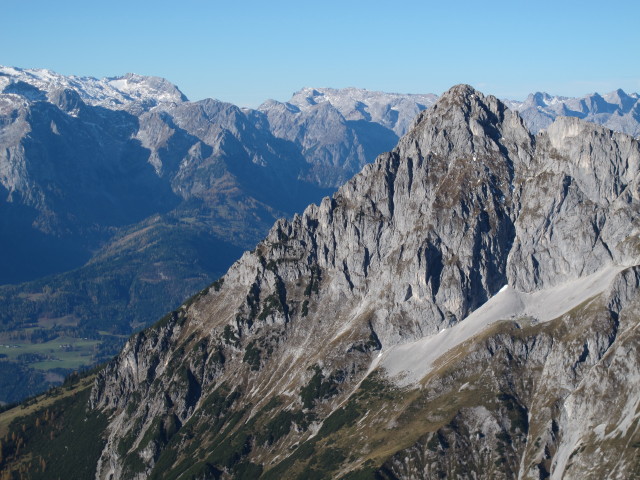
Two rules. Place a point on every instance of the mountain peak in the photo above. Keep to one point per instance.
(463, 121)
(66, 99)
(393, 110)
(122, 92)
(461, 89)
(612, 110)
(539, 99)
(382, 281)
(470, 101)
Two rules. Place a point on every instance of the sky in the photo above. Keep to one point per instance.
(246, 52)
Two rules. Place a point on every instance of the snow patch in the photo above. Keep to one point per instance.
(599, 430)
(409, 363)
(112, 93)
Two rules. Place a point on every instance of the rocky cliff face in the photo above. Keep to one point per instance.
(466, 306)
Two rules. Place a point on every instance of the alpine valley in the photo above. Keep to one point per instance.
(464, 307)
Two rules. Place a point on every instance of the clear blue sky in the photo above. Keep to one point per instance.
(247, 51)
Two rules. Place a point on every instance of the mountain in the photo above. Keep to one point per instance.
(340, 130)
(616, 110)
(121, 198)
(75, 171)
(82, 157)
(467, 306)
(131, 92)
(71, 173)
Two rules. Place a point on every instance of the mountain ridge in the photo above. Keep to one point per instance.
(616, 110)
(304, 317)
(119, 92)
(121, 266)
(538, 109)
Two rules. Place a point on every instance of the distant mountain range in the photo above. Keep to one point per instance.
(119, 197)
(617, 110)
(339, 131)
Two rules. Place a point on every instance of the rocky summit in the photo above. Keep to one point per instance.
(465, 307)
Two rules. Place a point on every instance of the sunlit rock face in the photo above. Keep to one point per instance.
(465, 306)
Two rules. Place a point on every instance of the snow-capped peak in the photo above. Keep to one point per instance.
(116, 92)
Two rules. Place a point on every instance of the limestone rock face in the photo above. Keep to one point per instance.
(465, 306)
(590, 175)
